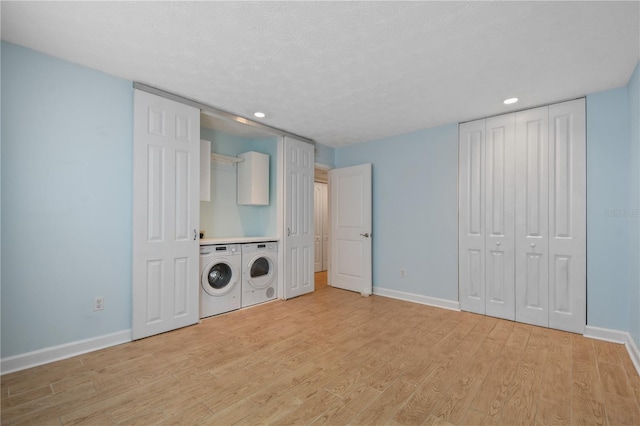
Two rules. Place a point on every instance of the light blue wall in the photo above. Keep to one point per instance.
(415, 213)
(607, 197)
(221, 216)
(633, 94)
(66, 173)
(66, 201)
(325, 154)
(415, 209)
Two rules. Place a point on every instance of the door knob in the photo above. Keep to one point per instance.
(366, 235)
(498, 243)
(532, 245)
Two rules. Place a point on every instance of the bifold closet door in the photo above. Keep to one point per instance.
(567, 216)
(499, 218)
(532, 216)
(522, 223)
(471, 205)
(486, 199)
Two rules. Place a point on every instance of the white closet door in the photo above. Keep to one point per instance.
(166, 214)
(532, 217)
(471, 205)
(298, 241)
(567, 217)
(499, 220)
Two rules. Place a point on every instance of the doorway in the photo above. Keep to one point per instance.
(321, 225)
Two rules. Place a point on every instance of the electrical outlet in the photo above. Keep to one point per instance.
(98, 304)
(401, 273)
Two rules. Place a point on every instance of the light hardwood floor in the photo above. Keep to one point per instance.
(334, 357)
(321, 280)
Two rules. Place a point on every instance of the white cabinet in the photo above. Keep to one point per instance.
(522, 224)
(253, 179)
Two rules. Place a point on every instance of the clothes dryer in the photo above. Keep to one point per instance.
(259, 272)
(220, 279)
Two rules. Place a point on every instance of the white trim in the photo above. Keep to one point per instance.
(67, 350)
(453, 305)
(616, 336)
(634, 352)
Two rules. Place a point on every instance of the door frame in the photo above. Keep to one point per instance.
(327, 167)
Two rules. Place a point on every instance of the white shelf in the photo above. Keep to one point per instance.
(236, 240)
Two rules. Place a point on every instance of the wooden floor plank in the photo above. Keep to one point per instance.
(385, 405)
(348, 407)
(334, 357)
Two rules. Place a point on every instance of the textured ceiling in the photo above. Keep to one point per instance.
(345, 72)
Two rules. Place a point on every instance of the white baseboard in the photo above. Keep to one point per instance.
(56, 353)
(453, 305)
(616, 336)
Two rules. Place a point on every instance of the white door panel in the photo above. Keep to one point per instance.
(522, 224)
(325, 226)
(165, 215)
(567, 217)
(471, 204)
(299, 228)
(351, 228)
(499, 225)
(531, 216)
(317, 224)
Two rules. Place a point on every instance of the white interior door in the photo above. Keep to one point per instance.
(532, 217)
(499, 219)
(317, 225)
(471, 205)
(299, 230)
(325, 226)
(351, 228)
(165, 214)
(567, 217)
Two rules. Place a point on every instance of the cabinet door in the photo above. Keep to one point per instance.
(532, 217)
(471, 223)
(499, 219)
(567, 217)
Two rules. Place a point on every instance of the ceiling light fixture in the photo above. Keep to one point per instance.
(510, 101)
(259, 114)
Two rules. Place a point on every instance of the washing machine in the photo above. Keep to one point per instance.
(220, 279)
(259, 272)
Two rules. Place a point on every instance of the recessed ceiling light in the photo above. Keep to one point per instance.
(259, 114)
(510, 101)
